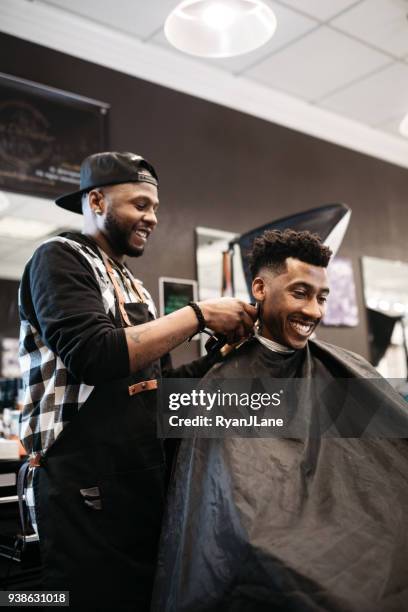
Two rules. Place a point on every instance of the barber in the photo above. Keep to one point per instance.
(92, 353)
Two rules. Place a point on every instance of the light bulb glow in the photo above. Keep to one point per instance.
(219, 28)
(219, 16)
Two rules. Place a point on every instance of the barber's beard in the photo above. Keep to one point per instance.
(119, 238)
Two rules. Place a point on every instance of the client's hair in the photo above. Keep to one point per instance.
(272, 249)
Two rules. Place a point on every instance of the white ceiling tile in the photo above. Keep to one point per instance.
(290, 26)
(135, 17)
(319, 63)
(320, 9)
(376, 99)
(382, 23)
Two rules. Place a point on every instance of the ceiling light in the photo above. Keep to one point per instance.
(219, 15)
(219, 28)
(403, 127)
(24, 229)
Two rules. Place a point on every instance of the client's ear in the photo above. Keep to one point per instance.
(258, 289)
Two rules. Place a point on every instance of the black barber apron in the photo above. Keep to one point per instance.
(100, 494)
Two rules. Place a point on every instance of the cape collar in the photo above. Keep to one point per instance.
(273, 346)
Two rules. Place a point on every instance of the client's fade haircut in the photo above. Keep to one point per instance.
(273, 247)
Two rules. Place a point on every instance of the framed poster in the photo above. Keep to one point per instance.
(174, 293)
(342, 309)
(45, 133)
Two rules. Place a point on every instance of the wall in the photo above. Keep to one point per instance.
(223, 169)
(9, 321)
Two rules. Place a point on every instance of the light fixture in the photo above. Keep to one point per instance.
(403, 127)
(219, 28)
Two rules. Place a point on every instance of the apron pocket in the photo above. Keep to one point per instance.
(132, 509)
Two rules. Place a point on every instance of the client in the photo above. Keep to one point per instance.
(311, 523)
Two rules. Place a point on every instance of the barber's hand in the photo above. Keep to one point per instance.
(228, 316)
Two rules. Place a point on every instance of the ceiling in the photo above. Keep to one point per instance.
(346, 56)
(336, 69)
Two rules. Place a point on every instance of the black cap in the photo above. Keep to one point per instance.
(109, 168)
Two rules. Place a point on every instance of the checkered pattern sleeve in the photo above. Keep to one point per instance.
(60, 289)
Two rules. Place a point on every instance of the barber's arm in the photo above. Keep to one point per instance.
(150, 341)
(72, 321)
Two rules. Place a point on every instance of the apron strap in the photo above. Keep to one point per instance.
(145, 385)
(136, 287)
(118, 292)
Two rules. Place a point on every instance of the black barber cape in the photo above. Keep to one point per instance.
(272, 524)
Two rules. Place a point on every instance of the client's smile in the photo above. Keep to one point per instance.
(303, 328)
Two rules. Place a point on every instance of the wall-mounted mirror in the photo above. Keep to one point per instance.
(210, 246)
(386, 298)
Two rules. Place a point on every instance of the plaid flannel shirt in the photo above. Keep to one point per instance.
(53, 394)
